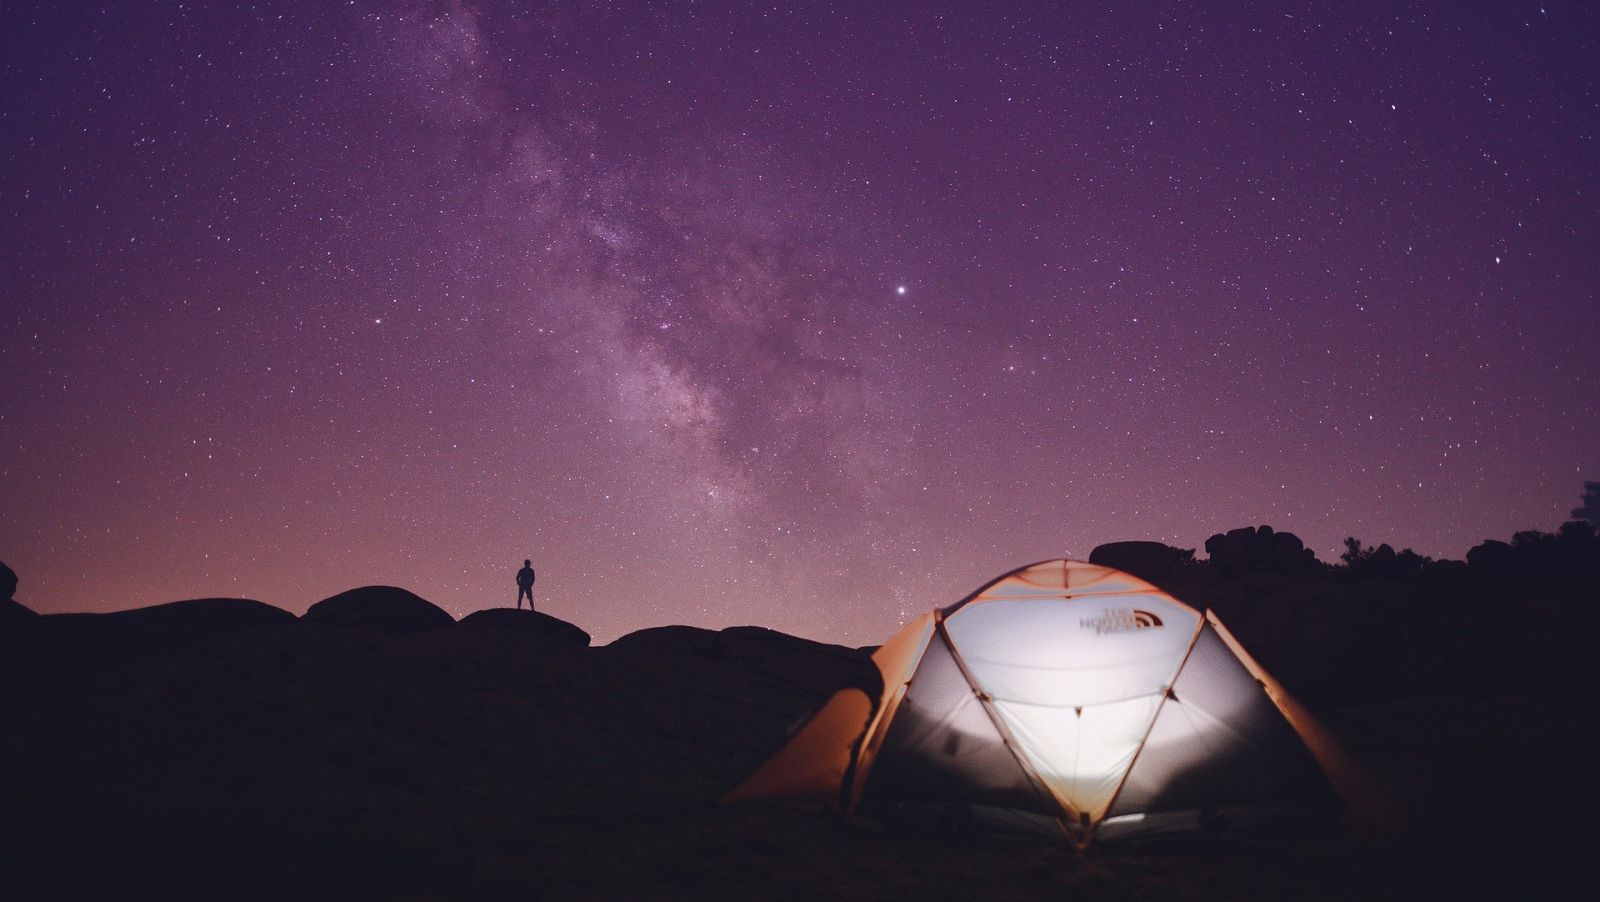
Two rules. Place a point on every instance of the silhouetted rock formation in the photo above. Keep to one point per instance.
(541, 626)
(1260, 550)
(1146, 560)
(814, 667)
(494, 759)
(380, 609)
(11, 609)
(98, 640)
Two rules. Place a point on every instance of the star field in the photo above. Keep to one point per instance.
(808, 317)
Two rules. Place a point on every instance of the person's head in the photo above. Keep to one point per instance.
(527, 563)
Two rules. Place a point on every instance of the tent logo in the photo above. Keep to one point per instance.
(1120, 620)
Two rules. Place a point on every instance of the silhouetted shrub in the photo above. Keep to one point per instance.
(1447, 577)
(1382, 562)
(1565, 563)
(1492, 557)
(1589, 508)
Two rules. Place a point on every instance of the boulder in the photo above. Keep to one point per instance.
(1260, 550)
(666, 641)
(541, 626)
(736, 643)
(12, 612)
(1146, 560)
(380, 609)
(197, 616)
(94, 640)
(815, 668)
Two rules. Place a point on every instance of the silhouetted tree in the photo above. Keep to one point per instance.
(1578, 532)
(1408, 561)
(1492, 559)
(1590, 508)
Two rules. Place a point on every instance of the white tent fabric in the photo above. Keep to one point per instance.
(1069, 690)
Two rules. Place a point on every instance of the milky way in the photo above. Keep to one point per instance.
(809, 318)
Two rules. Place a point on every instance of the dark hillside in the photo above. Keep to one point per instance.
(223, 748)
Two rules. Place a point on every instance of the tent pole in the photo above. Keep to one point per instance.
(868, 754)
(1165, 696)
(973, 595)
(1012, 745)
(872, 739)
(1371, 807)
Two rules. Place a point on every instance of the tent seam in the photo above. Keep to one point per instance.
(1006, 736)
(1165, 696)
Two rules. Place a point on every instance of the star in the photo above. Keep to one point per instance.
(585, 316)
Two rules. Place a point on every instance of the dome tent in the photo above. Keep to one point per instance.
(1072, 693)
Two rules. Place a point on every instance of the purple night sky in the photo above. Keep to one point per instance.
(808, 317)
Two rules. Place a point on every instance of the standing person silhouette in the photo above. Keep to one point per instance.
(525, 584)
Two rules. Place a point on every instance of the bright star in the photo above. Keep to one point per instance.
(900, 290)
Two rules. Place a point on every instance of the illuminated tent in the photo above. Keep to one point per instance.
(1072, 693)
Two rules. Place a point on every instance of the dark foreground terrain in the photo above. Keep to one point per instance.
(375, 749)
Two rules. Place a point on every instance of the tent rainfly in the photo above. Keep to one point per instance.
(1072, 693)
